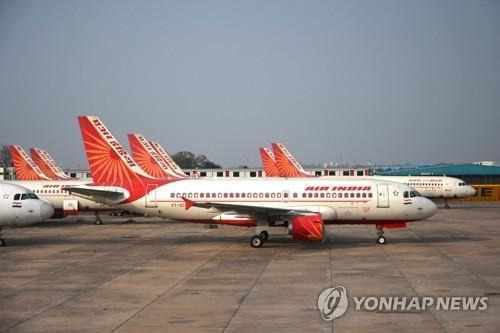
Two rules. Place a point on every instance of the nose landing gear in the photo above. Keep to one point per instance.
(2, 241)
(380, 233)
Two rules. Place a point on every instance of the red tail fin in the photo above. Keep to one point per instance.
(47, 164)
(169, 160)
(268, 162)
(110, 163)
(148, 158)
(25, 168)
(287, 165)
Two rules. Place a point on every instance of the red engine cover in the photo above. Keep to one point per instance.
(308, 228)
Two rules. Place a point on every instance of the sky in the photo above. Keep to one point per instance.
(344, 81)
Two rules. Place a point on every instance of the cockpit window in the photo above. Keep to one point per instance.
(32, 196)
(17, 196)
(24, 196)
(414, 194)
(405, 194)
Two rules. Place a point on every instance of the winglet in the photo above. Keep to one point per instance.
(189, 203)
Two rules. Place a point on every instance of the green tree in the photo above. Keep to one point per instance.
(188, 160)
(5, 158)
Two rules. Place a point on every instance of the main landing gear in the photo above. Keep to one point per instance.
(380, 234)
(258, 240)
(98, 220)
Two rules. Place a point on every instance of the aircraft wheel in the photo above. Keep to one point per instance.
(98, 222)
(264, 235)
(256, 241)
(381, 240)
(2, 242)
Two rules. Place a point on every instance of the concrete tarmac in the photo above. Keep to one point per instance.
(155, 275)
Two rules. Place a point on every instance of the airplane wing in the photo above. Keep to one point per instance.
(104, 194)
(249, 209)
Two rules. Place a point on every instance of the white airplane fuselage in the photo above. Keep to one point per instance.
(18, 206)
(355, 201)
(53, 192)
(434, 187)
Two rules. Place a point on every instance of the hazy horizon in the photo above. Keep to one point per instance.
(358, 82)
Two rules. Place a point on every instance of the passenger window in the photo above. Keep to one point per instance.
(267, 195)
(172, 195)
(328, 194)
(310, 195)
(340, 195)
(304, 195)
(196, 195)
(273, 195)
(370, 195)
(334, 195)
(285, 195)
(219, 195)
(322, 195)
(225, 195)
(358, 195)
(315, 195)
(295, 195)
(364, 195)
(278, 195)
(352, 195)
(236, 195)
(202, 195)
(231, 195)
(261, 195)
(255, 195)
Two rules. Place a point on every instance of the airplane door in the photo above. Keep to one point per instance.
(151, 196)
(382, 196)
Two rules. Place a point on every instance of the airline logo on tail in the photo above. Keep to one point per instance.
(287, 165)
(25, 168)
(148, 158)
(268, 162)
(47, 164)
(110, 163)
(169, 160)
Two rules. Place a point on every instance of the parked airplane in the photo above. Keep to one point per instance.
(47, 164)
(427, 186)
(19, 206)
(170, 161)
(30, 176)
(301, 205)
(24, 166)
(268, 162)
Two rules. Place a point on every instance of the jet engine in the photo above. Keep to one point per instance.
(306, 227)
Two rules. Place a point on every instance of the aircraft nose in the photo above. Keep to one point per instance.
(46, 211)
(472, 191)
(430, 208)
